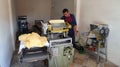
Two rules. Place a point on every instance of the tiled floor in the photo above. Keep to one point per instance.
(80, 60)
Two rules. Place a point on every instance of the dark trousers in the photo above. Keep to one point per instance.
(73, 40)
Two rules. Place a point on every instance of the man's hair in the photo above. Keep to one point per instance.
(65, 10)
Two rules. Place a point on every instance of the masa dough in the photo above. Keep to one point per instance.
(57, 21)
(33, 40)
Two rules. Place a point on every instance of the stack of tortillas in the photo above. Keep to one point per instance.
(33, 40)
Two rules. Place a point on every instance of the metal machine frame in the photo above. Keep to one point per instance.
(61, 51)
(99, 34)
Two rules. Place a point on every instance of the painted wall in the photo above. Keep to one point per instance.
(6, 39)
(103, 11)
(34, 9)
(77, 12)
(13, 22)
(59, 5)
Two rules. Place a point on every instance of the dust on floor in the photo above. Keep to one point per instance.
(85, 60)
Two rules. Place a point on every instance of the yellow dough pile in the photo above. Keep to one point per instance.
(33, 40)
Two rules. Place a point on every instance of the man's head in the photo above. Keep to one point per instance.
(66, 12)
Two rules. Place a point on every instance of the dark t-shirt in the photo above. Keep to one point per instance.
(72, 21)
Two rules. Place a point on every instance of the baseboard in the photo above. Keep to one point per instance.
(12, 58)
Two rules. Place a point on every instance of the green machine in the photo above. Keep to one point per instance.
(61, 47)
(62, 52)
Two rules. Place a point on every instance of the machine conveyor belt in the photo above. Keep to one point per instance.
(35, 57)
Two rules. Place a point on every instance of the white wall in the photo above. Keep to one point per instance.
(13, 22)
(77, 6)
(34, 9)
(59, 5)
(104, 11)
(6, 39)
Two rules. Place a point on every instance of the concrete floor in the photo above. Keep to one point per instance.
(85, 60)
(80, 60)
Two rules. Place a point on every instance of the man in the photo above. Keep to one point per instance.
(70, 18)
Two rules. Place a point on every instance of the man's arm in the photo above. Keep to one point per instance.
(75, 26)
(75, 30)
